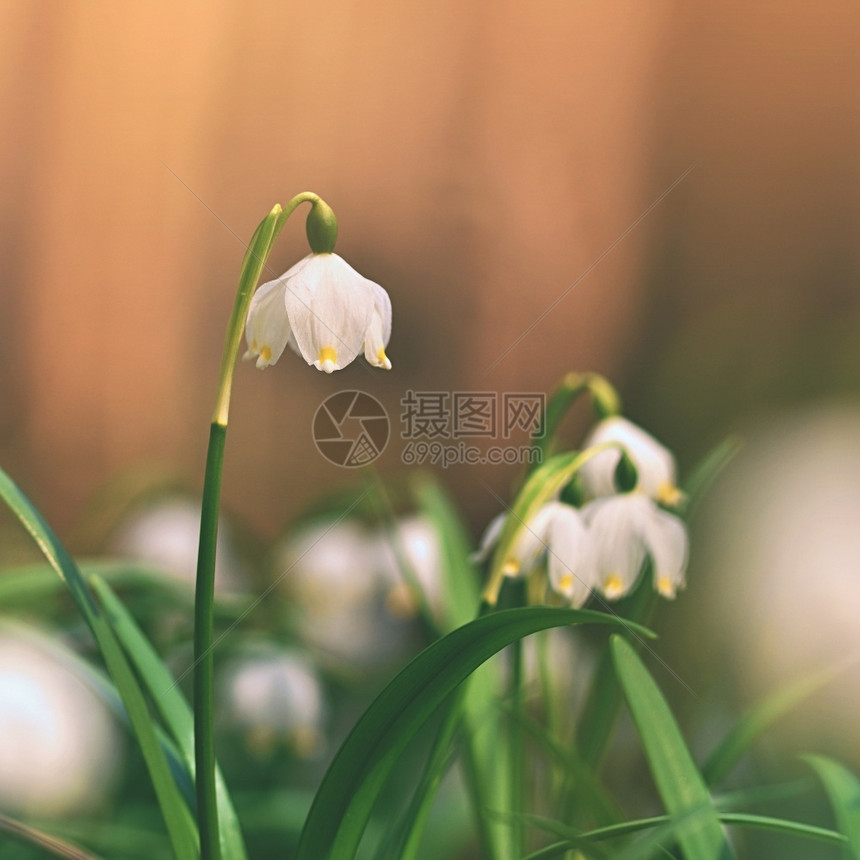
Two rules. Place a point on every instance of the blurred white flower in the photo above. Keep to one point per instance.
(625, 529)
(275, 697)
(325, 311)
(331, 573)
(419, 542)
(781, 555)
(654, 462)
(59, 745)
(558, 533)
(165, 535)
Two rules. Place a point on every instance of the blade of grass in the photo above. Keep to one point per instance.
(843, 789)
(343, 804)
(666, 828)
(481, 721)
(709, 468)
(760, 718)
(460, 576)
(405, 841)
(176, 815)
(678, 780)
(598, 799)
(604, 698)
(49, 844)
(172, 707)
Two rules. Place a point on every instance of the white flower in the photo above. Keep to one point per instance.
(419, 542)
(275, 696)
(166, 534)
(325, 310)
(654, 462)
(558, 532)
(60, 745)
(331, 573)
(625, 529)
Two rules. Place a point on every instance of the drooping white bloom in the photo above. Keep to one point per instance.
(166, 534)
(558, 532)
(59, 745)
(275, 696)
(625, 529)
(325, 310)
(654, 462)
(421, 548)
(331, 573)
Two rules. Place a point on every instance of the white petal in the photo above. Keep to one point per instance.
(379, 331)
(490, 538)
(531, 540)
(571, 562)
(329, 306)
(267, 328)
(665, 536)
(654, 462)
(614, 525)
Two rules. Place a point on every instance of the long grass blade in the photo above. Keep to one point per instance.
(172, 707)
(678, 780)
(343, 804)
(843, 789)
(175, 812)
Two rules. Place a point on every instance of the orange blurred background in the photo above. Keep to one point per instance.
(480, 157)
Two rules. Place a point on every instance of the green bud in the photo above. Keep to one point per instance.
(626, 474)
(321, 227)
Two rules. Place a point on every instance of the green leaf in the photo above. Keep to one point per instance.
(707, 471)
(404, 841)
(172, 707)
(678, 780)
(594, 797)
(760, 718)
(349, 789)
(664, 828)
(459, 573)
(604, 697)
(177, 817)
(45, 841)
(605, 398)
(843, 789)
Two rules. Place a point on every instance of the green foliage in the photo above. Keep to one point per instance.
(176, 814)
(843, 789)
(343, 804)
(760, 718)
(171, 706)
(678, 780)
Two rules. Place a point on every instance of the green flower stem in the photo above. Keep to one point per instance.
(204, 599)
(204, 605)
(605, 400)
(252, 267)
(518, 751)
